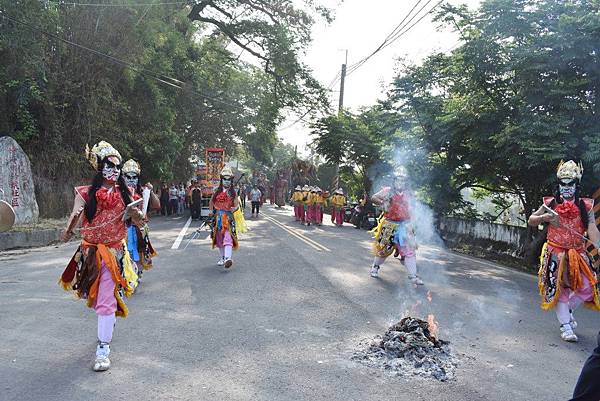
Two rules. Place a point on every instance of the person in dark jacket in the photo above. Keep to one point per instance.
(588, 385)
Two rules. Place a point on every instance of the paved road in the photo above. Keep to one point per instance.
(280, 325)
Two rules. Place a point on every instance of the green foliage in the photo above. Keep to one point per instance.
(503, 109)
(56, 97)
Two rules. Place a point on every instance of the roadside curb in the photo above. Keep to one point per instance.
(29, 239)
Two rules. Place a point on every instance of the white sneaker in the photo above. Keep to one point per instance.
(375, 271)
(221, 262)
(102, 363)
(567, 334)
(416, 280)
(228, 263)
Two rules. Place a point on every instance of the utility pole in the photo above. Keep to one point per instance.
(342, 81)
(336, 179)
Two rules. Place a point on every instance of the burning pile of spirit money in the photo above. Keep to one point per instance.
(409, 348)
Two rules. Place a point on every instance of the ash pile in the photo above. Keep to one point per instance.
(408, 348)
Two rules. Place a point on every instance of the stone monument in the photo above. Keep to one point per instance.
(16, 181)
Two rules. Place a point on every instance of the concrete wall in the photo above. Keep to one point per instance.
(492, 237)
(28, 239)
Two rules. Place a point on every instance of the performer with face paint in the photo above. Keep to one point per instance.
(223, 204)
(138, 241)
(566, 278)
(101, 271)
(395, 233)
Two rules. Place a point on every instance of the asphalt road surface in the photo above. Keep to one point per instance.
(282, 324)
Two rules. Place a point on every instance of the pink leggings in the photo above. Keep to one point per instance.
(570, 300)
(106, 303)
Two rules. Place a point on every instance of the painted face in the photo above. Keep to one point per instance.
(226, 182)
(131, 179)
(399, 183)
(567, 188)
(111, 169)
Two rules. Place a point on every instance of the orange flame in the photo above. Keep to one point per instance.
(433, 325)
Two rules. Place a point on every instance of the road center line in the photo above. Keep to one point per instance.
(298, 235)
(181, 234)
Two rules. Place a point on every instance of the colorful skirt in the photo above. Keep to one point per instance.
(393, 236)
(562, 269)
(224, 230)
(82, 274)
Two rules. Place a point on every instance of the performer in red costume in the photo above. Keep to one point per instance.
(395, 232)
(566, 278)
(223, 204)
(101, 271)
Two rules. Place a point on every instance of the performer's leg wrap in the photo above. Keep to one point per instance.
(562, 312)
(222, 252)
(228, 251)
(580, 296)
(378, 260)
(106, 325)
(411, 264)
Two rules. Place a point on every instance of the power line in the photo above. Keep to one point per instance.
(400, 33)
(61, 3)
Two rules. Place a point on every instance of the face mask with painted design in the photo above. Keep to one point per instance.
(131, 180)
(226, 183)
(111, 172)
(567, 190)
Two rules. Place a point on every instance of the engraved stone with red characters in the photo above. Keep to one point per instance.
(16, 181)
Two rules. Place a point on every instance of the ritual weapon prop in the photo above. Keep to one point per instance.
(206, 223)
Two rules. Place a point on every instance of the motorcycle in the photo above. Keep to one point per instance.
(364, 217)
(348, 211)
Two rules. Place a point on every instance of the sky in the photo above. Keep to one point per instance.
(360, 27)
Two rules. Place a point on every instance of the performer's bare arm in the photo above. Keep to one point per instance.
(154, 201)
(236, 203)
(542, 216)
(380, 197)
(74, 218)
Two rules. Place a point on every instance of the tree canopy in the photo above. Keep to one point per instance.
(159, 82)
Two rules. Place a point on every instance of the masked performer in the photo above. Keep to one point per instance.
(566, 278)
(138, 243)
(101, 271)
(223, 204)
(338, 201)
(395, 233)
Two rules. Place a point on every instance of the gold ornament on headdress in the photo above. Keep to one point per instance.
(131, 166)
(99, 152)
(227, 172)
(569, 170)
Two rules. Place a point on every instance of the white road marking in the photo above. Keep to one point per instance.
(298, 235)
(181, 234)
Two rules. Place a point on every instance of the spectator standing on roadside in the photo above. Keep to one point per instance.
(164, 199)
(173, 199)
(181, 198)
(255, 198)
